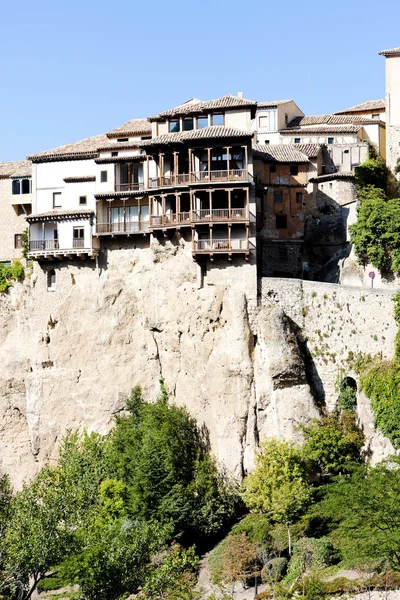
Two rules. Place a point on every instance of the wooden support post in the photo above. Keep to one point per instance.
(229, 204)
(148, 171)
(228, 162)
(247, 210)
(124, 205)
(247, 237)
(190, 164)
(209, 163)
(229, 236)
(43, 238)
(163, 209)
(176, 166)
(210, 202)
(246, 162)
(178, 207)
(211, 237)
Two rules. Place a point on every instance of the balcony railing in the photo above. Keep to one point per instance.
(78, 243)
(43, 245)
(224, 245)
(199, 177)
(220, 214)
(172, 219)
(121, 227)
(129, 187)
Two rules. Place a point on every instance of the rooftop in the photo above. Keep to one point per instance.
(20, 168)
(214, 132)
(86, 148)
(135, 127)
(272, 103)
(391, 52)
(335, 119)
(323, 129)
(194, 106)
(365, 107)
(286, 153)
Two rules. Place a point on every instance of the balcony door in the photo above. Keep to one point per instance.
(117, 218)
(79, 237)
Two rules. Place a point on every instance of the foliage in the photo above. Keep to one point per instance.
(334, 443)
(366, 510)
(25, 242)
(310, 553)
(239, 559)
(382, 386)
(8, 275)
(256, 527)
(274, 569)
(347, 399)
(174, 575)
(373, 171)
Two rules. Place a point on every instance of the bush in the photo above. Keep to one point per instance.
(256, 527)
(9, 274)
(274, 569)
(311, 553)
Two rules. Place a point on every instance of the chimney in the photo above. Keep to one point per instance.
(240, 94)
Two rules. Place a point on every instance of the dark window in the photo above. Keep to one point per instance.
(18, 240)
(55, 235)
(123, 140)
(299, 197)
(272, 169)
(56, 199)
(294, 169)
(286, 119)
(26, 186)
(330, 140)
(114, 153)
(174, 126)
(281, 221)
(103, 176)
(202, 122)
(297, 140)
(277, 197)
(79, 233)
(188, 124)
(266, 142)
(51, 279)
(218, 119)
(16, 187)
(82, 200)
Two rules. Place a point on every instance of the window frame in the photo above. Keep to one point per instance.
(299, 197)
(59, 196)
(278, 197)
(214, 115)
(178, 121)
(17, 241)
(82, 203)
(297, 140)
(331, 141)
(204, 118)
(283, 218)
(293, 170)
(188, 120)
(103, 176)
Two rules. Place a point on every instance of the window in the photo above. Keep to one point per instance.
(51, 280)
(330, 140)
(56, 199)
(297, 140)
(114, 153)
(78, 237)
(266, 142)
(286, 119)
(202, 122)
(277, 196)
(294, 169)
(21, 186)
(263, 121)
(299, 197)
(188, 124)
(103, 176)
(218, 119)
(82, 200)
(16, 187)
(123, 140)
(18, 240)
(281, 221)
(376, 116)
(174, 126)
(272, 169)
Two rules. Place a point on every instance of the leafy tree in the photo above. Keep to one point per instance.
(382, 386)
(278, 486)
(173, 576)
(367, 512)
(333, 443)
(373, 171)
(239, 560)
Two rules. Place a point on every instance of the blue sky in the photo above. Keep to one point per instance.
(78, 68)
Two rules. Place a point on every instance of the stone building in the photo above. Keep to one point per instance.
(392, 105)
(15, 205)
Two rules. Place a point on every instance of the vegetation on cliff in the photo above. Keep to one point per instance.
(10, 274)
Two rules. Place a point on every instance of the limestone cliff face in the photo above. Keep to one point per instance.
(69, 357)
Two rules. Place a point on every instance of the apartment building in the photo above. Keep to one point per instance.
(15, 206)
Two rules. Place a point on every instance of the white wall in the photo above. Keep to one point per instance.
(50, 179)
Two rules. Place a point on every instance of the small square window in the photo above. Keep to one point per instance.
(278, 197)
(56, 199)
(294, 169)
(266, 142)
(82, 200)
(263, 121)
(174, 126)
(114, 153)
(299, 197)
(18, 240)
(16, 187)
(26, 186)
(188, 124)
(202, 122)
(103, 176)
(272, 169)
(376, 116)
(330, 140)
(218, 119)
(297, 140)
(281, 221)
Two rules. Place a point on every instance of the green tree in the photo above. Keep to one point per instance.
(173, 576)
(373, 171)
(278, 486)
(333, 443)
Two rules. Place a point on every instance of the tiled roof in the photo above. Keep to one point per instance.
(364, 107)
(322, 129)
(80, 179)
(332, 176)
(188, 108)
(59, 215)
(86, 148)
(20, 168)
(335, 119)
(391, 52)
(272, 103)
(135, 127)
(214, 132)
(286, 153)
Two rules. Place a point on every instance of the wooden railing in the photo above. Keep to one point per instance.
(43, 245)
(198, 177)
(129, 187)
(221, 245)
(171, 219)
(121, 227)
(220, 214)
(78, 243)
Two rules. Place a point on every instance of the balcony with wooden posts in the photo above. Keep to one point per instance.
(228, 240)
(122, 216)
(201, 166)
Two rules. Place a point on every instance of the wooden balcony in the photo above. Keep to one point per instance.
(232, 175)
(220, 214)
(171, 220)
(222, 246)
(50, 250)
(78, 243)
(121, 228)
(43, 245)
(129, 187)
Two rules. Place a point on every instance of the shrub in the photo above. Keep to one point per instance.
(274, 569)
